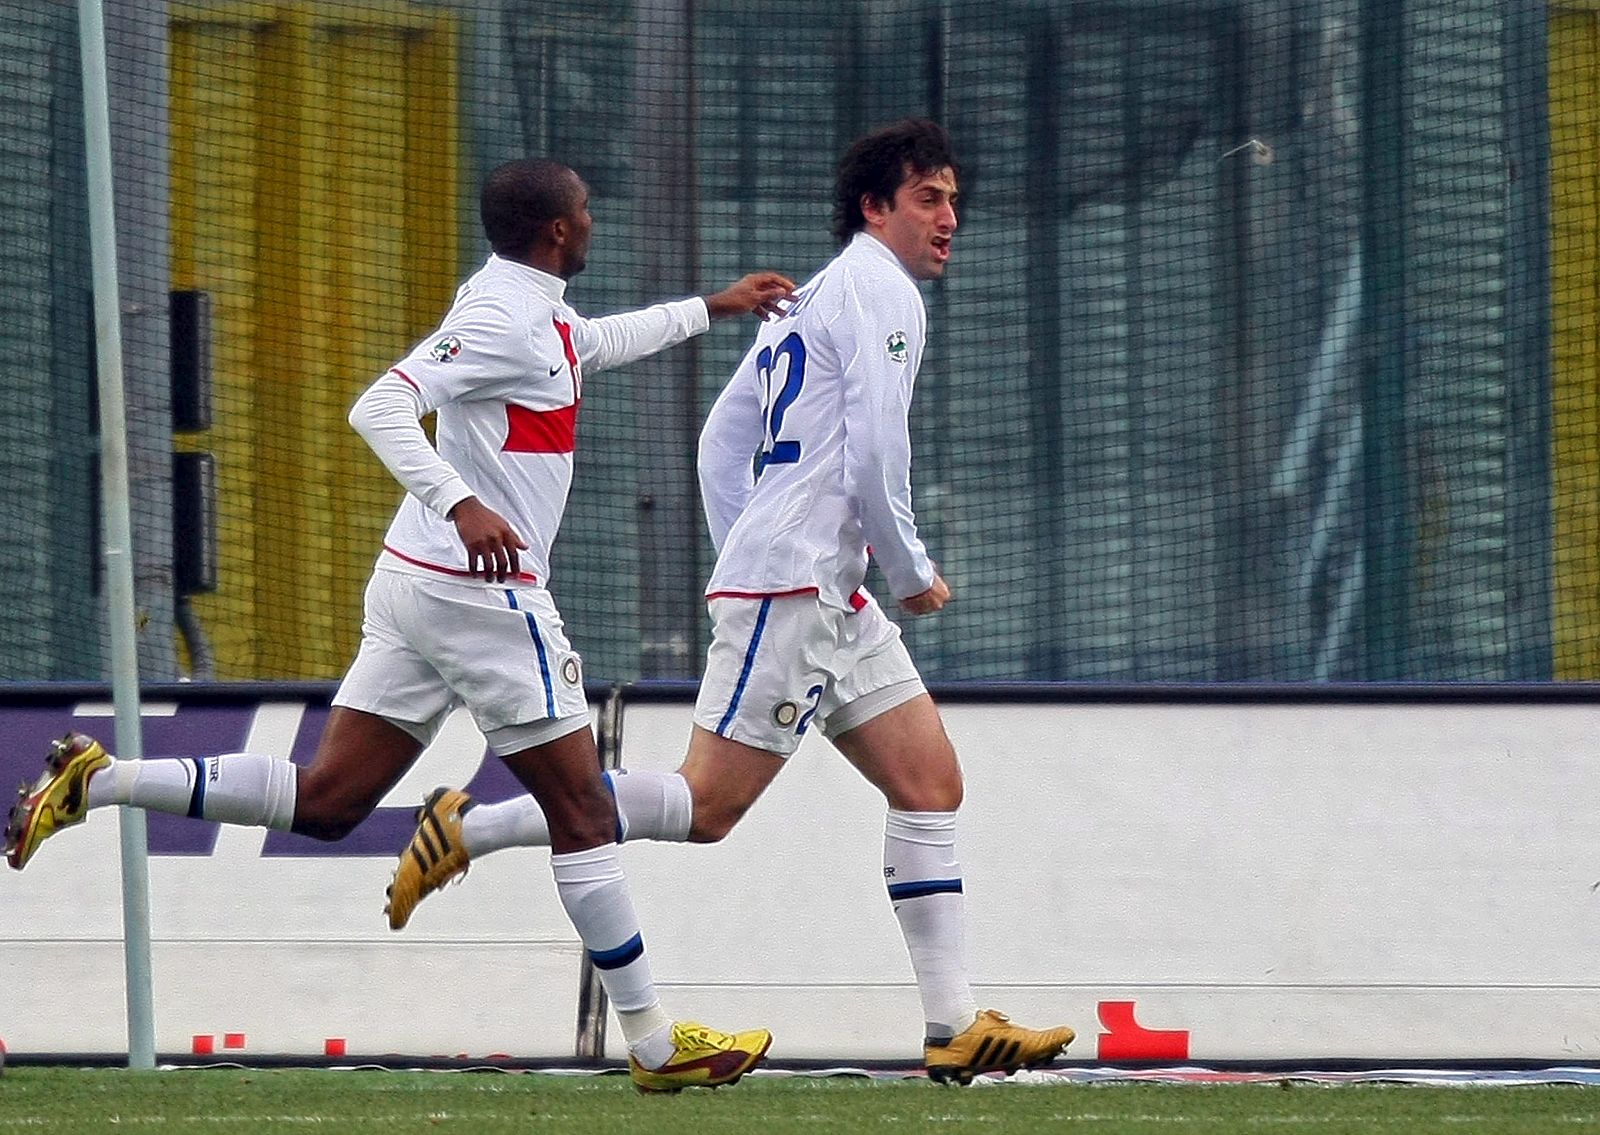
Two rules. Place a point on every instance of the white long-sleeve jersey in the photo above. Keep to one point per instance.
(805, 459)
(505, 372)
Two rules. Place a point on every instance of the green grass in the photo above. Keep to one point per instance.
(40, 1099)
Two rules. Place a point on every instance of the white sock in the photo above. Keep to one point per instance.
(650, 805)
(653, 805)
(235, 788)
(924, 880)
(595, 893)
(518, 822)
(649, 1035)
(114, 784)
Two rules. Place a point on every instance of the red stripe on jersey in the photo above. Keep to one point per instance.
(520, 577)
(760, 594)
(409, 380)
(565, 331)
(540, 431)
(858, 600)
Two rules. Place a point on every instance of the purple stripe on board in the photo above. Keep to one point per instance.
(206, 730)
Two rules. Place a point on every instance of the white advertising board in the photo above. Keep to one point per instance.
(1179, 882)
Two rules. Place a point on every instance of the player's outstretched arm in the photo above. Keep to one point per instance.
(760, 293)
(613, 340)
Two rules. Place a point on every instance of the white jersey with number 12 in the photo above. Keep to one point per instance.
(805, 459)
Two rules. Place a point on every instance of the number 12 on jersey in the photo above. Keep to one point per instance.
(790, 357)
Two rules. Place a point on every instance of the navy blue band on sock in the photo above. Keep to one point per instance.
(197, 794)
(917, 890)
(629, 951)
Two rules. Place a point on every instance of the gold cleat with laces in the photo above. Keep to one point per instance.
(992, 1044)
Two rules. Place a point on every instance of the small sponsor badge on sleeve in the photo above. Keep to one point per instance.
(445, 349)
(897, 346)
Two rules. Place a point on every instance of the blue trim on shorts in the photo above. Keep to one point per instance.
(197, 795)
(629, 951)
(544, 663)
(749, 662)
(917, 890)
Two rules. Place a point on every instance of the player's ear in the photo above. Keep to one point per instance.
(873, 208)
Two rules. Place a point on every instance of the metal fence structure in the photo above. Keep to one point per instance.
(1268, 350)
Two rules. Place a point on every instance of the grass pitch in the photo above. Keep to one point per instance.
(40, 1099)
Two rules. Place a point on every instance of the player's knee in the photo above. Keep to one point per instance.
(579, 817)
(582, 833)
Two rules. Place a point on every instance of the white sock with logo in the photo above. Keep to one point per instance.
(924, 881)
(235, 788)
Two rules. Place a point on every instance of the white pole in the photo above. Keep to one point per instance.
(118, 527)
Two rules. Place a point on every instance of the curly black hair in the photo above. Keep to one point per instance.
(521, 197)
(877, 165)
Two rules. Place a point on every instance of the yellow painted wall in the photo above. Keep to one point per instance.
(1575, 304)
(314, 161)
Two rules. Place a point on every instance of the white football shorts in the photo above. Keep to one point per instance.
(778, 665)
(429, 644)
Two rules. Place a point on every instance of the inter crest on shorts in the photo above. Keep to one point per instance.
(445, 349)
(785, 714)
(571, 672)
(896, 345)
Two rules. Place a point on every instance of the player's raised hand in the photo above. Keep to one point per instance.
(491, 543)
(928, 601)
(760, 293)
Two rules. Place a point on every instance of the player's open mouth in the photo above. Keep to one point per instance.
(941, 247)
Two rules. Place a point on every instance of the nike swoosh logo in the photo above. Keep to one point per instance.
(555, 370)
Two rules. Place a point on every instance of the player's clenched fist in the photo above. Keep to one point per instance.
(928, 601)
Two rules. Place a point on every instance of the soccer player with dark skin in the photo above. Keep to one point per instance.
(457, 611)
